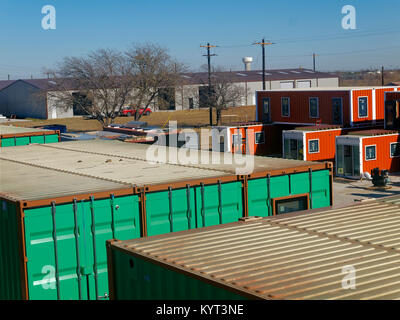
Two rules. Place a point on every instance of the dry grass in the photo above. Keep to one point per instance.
(185, 118)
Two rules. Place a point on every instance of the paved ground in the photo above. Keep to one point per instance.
(345, 191)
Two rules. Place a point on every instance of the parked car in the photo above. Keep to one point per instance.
(128, 112)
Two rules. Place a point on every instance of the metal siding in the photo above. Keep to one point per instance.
(326, 144)
(40, 245)
(383, 159)
(10, 277)
(380, 102)
(299, 106)
(356, 95)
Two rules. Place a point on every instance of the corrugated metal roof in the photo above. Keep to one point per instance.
(17, 130)
(372, 132)
(25, 182)
(139, 151)
(289, 258)
(256, 75)
(119, 169)
(5, 83)
(319, 128)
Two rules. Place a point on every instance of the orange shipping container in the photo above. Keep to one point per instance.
(362, 151)
(328, 106)
(311, 143)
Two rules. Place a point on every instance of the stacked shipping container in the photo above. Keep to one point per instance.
(80, 194)
(286, 257)
(334, 106)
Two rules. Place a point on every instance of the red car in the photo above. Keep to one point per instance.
(128, 112)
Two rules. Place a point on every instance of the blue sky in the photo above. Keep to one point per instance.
(299, 28)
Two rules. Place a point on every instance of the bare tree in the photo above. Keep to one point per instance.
(224, 92)
(105, 81)
(157, 73)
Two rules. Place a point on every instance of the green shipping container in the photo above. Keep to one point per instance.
(149, 199)
(289, 189)
(11, 136)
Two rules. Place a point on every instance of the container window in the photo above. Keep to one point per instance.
(395, 150)
(285, 107)
(363, 107)
(259, 138)
(291, 205)
(314, 108)
(313, 146)
(266, 109)
(370, 153)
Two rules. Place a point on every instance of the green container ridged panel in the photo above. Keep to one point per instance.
(137, 279)
(40, 245)
(8, 142)
(230, 210)
(288, 185)
(22, 141)
(38, 139)
(321, 189)
(10, 276)
(52, 138)
(158, 215)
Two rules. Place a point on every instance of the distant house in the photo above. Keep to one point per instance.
(394, 83)
(35, 98)
(31, 99)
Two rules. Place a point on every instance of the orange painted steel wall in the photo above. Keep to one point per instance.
(272, 139)
(362, 93)
(299, 106)
(380, 102)
(327, 141)
(383, 159)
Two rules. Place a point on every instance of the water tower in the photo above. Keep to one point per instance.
(247, 63)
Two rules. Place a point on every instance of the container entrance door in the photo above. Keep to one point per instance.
(348, 160)
(237, 142)
(392, 115)
(293, 149)
(337, 110)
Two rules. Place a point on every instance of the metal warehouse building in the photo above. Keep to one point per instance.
(59, 205)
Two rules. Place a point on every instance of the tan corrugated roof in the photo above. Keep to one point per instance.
(298, 257)
(25, 182)
(18, 130)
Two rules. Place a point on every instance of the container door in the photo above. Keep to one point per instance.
(65, 246)
(348, 160)
(337, 110)
(218, 204)
(170, 211)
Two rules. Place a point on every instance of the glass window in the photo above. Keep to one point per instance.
(363, 107)
(313, 146)
(259, 138)
(395, 149)
(370, 152)
(266, 109)
(314, 108)
(285, 107)
(291, 205)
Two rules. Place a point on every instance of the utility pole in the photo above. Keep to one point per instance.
(383, 76)
(314, 55)
(263, 44)
(209, 55)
